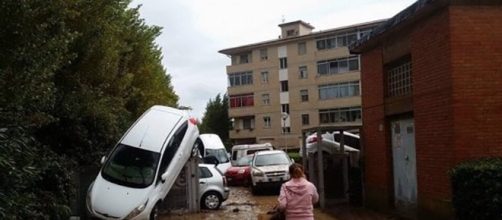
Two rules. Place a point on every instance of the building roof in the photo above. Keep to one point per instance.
(248, 47)
(407, 17)
(297, 22)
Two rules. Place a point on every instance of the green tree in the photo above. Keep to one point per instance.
(74, 75)
(215, 118)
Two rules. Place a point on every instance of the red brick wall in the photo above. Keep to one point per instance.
(430, 52)
(377, 155)
(432, 104)
(477, 80)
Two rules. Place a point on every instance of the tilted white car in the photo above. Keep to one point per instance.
(143, 166)
(213, 187)
(269, 169)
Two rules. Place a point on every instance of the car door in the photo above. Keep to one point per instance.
(205, 176)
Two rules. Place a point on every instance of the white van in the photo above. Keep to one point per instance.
(211, 145)
(239, 151)
(142, 167)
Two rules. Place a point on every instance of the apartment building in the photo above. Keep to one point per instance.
(302, 79)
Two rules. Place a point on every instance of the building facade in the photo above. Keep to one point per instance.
(431, 98)
(303, 79)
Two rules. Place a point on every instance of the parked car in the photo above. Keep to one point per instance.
(142, 167)
(211, 145)
(269, 169)
(239, 151)
(213, 187)
(240, 173)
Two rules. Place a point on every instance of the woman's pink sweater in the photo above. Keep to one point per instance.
(297, 198)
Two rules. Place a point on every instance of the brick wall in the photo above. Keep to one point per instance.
(430, 52)
(377, 160)
(477, 80)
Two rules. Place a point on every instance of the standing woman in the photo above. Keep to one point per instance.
(298, 195)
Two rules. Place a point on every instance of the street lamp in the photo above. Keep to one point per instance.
(284, 116)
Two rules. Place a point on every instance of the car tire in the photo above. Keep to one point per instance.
(254, 189)
(211, 200)
(154, 214)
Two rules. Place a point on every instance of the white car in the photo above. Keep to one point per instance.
(212, 187)
(330, 144)
(211, 145)
(269, 169)
(141, 169)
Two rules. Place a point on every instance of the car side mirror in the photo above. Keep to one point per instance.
(163, 177)
(103, 160)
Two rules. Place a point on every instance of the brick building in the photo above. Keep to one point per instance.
(431, 83)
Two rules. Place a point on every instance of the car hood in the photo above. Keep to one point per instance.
(274, 168)
(234, 170)
(116, 200)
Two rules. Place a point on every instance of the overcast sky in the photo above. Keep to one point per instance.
(195, 30)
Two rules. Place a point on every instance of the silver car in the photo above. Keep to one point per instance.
(213, 187)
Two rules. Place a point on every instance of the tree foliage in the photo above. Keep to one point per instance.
(215, 118)
(74, 74)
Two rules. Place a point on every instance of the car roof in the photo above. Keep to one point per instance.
(251, 146)
(269, 152)
(211, 141)
(152, 129)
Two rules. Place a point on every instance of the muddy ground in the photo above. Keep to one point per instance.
(242, 205)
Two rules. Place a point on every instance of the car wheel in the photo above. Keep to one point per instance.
(211, 200)
(154, 214)
(254, 189)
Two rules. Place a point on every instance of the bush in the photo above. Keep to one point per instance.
(477, 189)
(34, 181)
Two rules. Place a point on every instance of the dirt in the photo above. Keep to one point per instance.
(242, 205)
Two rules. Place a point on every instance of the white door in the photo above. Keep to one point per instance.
(404, 164)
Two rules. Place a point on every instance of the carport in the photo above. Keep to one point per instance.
(339, 163)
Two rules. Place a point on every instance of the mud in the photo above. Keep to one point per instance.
(242, 205)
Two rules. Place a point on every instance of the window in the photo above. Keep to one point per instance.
(302, 48)
(266, 122)
(290, 33)
(263, 54)
(265, 99)
(337, 40)
(399, 80)
(304, 94)
(264, 77)
(244, 58)
(337, 115)
(341, 65)
(244, 100)
(284, 86)
(240, 78)
(339, 90)
(248, 123)
(286, 130)
(305, 119)
(302, 71)
(283, 63)
(285, 108)
(204, 173)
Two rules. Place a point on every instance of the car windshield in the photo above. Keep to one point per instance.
(244, 161)
(131, 166)
(271, 159)
(220, 154)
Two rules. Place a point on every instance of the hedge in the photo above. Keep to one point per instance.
(477, 189)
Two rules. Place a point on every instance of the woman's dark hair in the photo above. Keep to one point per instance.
(296, 170)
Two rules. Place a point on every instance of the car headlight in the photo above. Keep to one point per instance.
(137, 211)
(257, 173)
(241, 171)
(88, 198)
